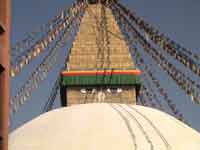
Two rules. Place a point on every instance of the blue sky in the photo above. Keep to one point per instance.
(179, 19)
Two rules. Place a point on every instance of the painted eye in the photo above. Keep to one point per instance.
(83, 91)
(119, 90)
(114, 90)
(108, 90)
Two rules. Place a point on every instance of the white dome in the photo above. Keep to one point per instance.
(104, 127)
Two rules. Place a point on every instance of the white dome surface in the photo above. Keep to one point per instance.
(104, 127)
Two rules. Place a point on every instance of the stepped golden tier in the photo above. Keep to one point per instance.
(99, 47)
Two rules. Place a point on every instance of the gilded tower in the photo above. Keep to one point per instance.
(100, 67)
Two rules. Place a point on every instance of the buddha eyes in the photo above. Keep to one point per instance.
(93, 90)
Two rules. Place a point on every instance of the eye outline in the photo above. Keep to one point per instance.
(119, 90)
(83, 91)
(88, 90)
(108, 90)
(114, 90)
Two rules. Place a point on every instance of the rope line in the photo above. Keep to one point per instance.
(139, 126)
(184, 82)
(171, 47)
(127, 123)
(40, 72)
(168, 147)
